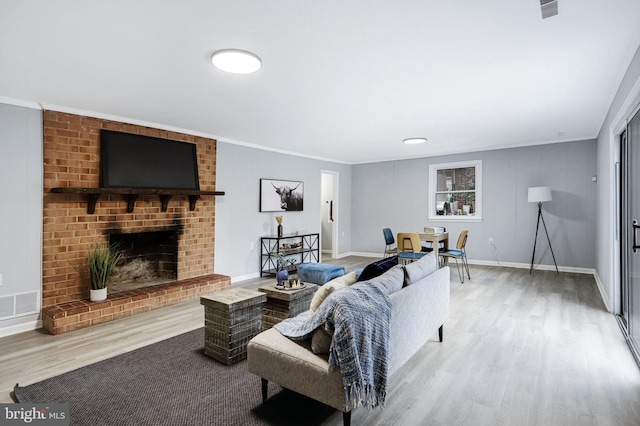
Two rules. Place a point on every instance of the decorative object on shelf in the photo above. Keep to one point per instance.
(286, 246)
(279, 220)
(281, 195)
(101, 260)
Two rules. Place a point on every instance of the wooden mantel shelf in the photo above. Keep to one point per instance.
(132, 194)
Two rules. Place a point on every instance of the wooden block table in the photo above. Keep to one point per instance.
(282, 304)
(231, 318)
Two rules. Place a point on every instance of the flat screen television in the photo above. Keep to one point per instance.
(136, 161)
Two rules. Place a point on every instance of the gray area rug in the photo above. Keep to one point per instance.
(172, 383)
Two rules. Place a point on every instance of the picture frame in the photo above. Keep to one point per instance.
(277, 195)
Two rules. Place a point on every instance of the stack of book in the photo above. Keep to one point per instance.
(433, 230)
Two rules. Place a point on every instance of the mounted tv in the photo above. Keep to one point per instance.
(136, 161)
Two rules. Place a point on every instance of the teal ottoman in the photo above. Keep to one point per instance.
(319, 273)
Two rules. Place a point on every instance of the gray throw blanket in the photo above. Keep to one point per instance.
(359, 318)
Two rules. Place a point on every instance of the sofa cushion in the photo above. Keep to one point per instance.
(391, 281)
(330, 287)
(320, 341)
(415, 271)
(377, 268)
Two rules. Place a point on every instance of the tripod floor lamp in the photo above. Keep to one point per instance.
(540, 194)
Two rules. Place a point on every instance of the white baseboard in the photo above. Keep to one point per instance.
(20, 328)
(571, 269)
(603, 294)
(362, 254)
(244, 277)
(494, 263)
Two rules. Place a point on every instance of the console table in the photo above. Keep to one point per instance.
(307, 251)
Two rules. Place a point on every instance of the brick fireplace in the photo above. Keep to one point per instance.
(72, 159)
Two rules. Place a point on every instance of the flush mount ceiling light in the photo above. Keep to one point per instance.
(414, 141)
(236, 61)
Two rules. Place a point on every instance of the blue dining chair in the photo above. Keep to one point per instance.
(459, 253)
(409, 247)
(389, 250)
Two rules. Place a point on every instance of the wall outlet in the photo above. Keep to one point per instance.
(252, 245)
(490, 240)
(0, 280)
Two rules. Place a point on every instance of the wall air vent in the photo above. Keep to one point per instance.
(6, 307)
(549, 8)
(16, 305)
(26, 303)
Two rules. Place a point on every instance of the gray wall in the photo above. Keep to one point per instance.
(238, 220)
(394, 194)
(626, 99)
(21, 212)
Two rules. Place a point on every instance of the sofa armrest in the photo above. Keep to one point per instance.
(276, 358)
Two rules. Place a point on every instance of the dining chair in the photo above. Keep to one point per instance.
(389, 250)
(409, 247)
(459, 252)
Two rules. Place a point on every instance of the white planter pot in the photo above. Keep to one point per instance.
(98, 295)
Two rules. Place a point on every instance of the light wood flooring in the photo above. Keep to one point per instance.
(518, 349)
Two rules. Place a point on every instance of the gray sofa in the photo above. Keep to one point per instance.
(419, 308)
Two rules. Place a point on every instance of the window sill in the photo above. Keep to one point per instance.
(463, 218)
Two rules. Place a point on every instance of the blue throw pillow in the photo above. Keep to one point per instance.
(378, 268)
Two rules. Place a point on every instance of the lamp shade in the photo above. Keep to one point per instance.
(539, 194)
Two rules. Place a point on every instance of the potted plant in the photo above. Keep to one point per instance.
(283, 262)
(101, 261)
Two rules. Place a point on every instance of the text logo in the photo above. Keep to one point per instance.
(34, 414)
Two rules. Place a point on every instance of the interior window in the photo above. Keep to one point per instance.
(455, 191)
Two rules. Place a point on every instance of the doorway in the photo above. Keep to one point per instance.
(329, 213)
(629, 315)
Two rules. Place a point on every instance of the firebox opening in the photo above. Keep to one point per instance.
(148, 258)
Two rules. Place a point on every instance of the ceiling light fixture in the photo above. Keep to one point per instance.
(414, 141)
(236, 61)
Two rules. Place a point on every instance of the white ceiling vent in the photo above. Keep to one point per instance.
(549, 8)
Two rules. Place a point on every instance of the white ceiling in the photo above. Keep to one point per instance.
(341, 80)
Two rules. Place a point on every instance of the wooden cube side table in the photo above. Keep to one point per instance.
(282, 304)
(231, 318)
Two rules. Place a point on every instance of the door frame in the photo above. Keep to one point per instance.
(336, 210)
(621, 222)
(628, 107)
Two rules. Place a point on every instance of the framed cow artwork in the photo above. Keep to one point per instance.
(281, 195)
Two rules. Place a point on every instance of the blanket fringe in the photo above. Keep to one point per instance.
(367, 395)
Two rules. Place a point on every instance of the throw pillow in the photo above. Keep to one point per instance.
(320, 341)
(330, 287)
(391, 281)
(415, 271)
(377, 268)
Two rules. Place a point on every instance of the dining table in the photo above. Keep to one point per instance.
(436, 239)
